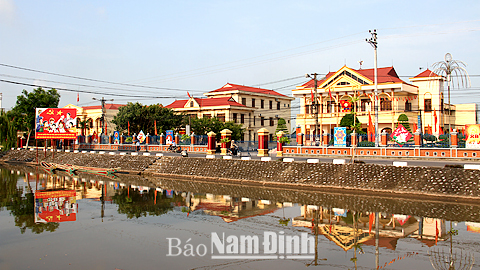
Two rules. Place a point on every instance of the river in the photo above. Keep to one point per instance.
(63, 221)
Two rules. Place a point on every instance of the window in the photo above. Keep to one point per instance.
(191, 103)
(270, 103)
(261, 104)
(441, 105)
(242, 118)
(330, 106)
(207, 115)
(408, 106)
(221, 117)
(366, 105)
(253, 102)
(254, 118)
(385, 104)
(244, 101)
(278, 105)
(271, 121)
(235, 118)
(262, 121)
(428, 105)
(307, 109)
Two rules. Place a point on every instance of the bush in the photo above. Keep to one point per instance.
(430, 138)
(366, 144)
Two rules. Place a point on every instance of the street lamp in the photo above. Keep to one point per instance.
(373, 41)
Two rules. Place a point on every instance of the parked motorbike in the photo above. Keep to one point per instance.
(174, 149)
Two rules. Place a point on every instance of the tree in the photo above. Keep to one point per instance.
(8, 132)
(204, 125)
(143, 117)
(403, 119)
(23, 114)
(281, 126)
(348, 122)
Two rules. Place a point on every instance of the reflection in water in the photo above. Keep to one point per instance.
(368, 229)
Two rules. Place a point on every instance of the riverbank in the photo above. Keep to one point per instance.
(439, 184)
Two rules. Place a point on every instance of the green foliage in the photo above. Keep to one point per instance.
(281, 126)
(8, 132)
(21, 207)
(403, 119)
(129, 139)
(136, 204)
(185, 137)
(225, 140)
(430, 138)
(143, 118)
(366, 144)
(23, 113)
(347, 121)
(285, 140)
(202, 126)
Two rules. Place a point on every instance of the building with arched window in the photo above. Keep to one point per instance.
(89, 118)
(421, 100)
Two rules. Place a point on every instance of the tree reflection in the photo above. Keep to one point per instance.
(21, 207)
(136, 204)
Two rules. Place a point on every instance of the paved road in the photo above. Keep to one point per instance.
(387, 161)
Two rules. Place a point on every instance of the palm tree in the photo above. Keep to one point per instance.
(448, 68)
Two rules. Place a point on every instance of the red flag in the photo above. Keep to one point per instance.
(156, 128)
(78, 97)
(330, 92)
(371, 129)
(128, 128)
(371, 220)
(189, 95)
(436, 232)
(435, 118)
(311, 93)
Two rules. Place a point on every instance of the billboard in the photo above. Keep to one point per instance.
(472, 137)
(55, 123)
(55, 206)
(169, 138)
(340, 136)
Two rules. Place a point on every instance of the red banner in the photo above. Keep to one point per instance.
(55, 206)
(56, 123)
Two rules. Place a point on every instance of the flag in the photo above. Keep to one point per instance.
(371, 220)
(156, 128)
(188, 94)
(78, 97)
(330, 92)
(128, 128)
(346, 105)
(371, 129)
(435, 119)
(311, 93)
(436, 232)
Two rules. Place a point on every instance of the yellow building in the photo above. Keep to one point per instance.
(254, 108)
(422, 97)
(93, 116)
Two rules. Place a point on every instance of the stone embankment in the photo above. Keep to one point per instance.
(453, 183)
(126, 163)
(449, 184)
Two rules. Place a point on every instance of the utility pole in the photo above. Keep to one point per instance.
(373, 41)
(102, 120)
(314, 103)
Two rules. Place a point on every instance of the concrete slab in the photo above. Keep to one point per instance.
(288, 160)
(471, 167)
(339, 161)
(246, 158)
(400, 164)
(266, 159)
(313, 160)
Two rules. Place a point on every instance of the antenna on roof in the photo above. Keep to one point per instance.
(360, 63)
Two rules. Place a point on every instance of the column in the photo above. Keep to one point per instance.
(263, 142)
(353, 138)
(417, 138)
(226, 140)
(325, 139)
(299, 138)
(383, 139)
(454, 139)
(192, 139)
(162, 139)
(211, 143)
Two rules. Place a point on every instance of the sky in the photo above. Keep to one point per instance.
(157, 51)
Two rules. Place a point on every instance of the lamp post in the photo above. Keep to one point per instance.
(373, 41)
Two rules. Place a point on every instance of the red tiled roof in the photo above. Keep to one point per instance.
(427, 73)
(206, 102)
(107, 107)
(233, 87)
(384, 75)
